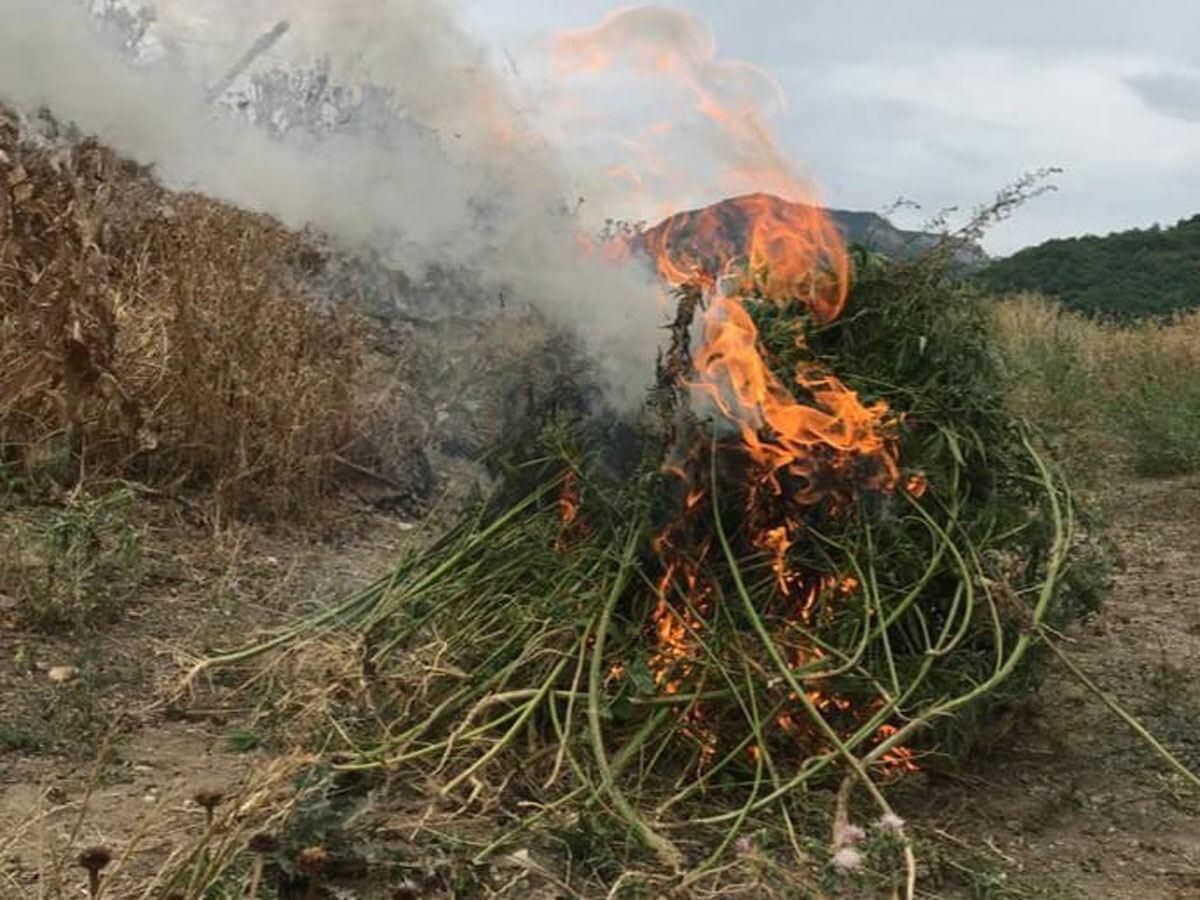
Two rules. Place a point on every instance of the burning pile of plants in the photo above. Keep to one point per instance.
(828, 550)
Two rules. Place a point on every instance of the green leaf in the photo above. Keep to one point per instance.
(640, 676)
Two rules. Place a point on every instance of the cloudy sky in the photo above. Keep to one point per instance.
(944, 102)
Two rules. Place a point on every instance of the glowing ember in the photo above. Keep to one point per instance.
(573, 527)
(897, 759)
(916, 485)
(568, 500)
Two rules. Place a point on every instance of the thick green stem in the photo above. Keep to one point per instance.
(666, 850)
(1127, 717)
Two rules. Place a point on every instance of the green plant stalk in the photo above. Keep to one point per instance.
(620, 762)
(564, 735)
(1063, 530)
(1127, 717)
(667, 851)
(870, 587)
(769, 644)
(526, 711)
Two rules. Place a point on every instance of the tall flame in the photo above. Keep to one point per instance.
(762, 249)
(808, 440)
(721, 118)
(778, 249)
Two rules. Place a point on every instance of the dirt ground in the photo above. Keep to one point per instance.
(1067, 804)
(1070, 794)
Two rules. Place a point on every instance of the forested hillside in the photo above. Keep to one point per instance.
(1130, 274)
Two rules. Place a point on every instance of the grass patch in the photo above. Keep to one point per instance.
(73, 567)
(244, 740)
(17, 737)
(1104, 389)
(1162, 411)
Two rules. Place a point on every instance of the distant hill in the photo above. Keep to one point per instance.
(865, 229)
(1144, 272)
(873, 231)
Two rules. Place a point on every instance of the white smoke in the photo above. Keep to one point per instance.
(469, 186)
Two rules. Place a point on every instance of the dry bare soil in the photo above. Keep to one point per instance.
(1069, 795)
(1066, 803)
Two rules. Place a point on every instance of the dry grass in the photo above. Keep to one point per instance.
(176, 849)
(1107, 391)
(161, 337)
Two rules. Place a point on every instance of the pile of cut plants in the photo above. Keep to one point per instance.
(811, 568)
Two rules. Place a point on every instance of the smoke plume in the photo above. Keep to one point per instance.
(465, 184)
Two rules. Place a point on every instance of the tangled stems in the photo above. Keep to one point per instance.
(663, 847)
(789, 676)
(493, 633)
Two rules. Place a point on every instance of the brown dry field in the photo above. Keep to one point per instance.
(1066, 803)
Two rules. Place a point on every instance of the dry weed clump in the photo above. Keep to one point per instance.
(175, 849)
(161, 337)
(313, 686)
(1106, 389)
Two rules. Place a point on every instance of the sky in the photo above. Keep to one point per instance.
(943, 103)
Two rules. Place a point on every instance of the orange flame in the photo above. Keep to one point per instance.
(898, 759)
(793, 246)
(916, 485)
(807, 437)
(811, 442)
(568, 500)
(793, 251)
(729, 99)
(572, 526)
(762, 249)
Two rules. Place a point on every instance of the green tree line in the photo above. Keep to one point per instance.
(1131, 274)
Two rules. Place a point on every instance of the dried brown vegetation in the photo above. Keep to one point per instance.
(161, 337)
(1129, 393)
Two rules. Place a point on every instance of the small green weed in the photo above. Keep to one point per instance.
(69, 570)
(16, 737)
(245, 740)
